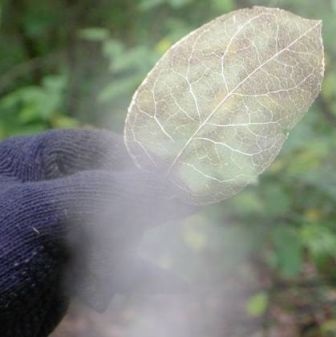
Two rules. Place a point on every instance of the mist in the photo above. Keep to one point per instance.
(184, 273)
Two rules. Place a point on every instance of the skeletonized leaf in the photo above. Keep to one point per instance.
(217, 107)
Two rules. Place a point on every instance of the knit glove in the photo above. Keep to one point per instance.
(72, 208)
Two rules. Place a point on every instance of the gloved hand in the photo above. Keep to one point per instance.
(72, 207)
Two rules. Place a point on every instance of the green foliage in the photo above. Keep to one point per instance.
(287, 251)
(34, 108)
(257, 304)
(320, 241)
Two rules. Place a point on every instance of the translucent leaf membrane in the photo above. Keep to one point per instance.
(216, 109)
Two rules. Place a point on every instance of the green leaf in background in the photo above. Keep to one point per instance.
(288, 251)
(257, 304)
(217, 107)
(275, 199)
(150, 4)
(319, 240)
(35, 107)
(94, 34)
(223, 5)
(328, 329)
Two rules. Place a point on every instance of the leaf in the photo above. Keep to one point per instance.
(94, 34)
(149, 4)
(288, 248)
(319, 240)
(257, 304)
(217, 107)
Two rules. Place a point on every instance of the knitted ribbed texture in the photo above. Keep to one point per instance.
(61, 152)
(49, 214)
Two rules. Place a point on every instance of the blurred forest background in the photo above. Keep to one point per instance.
(269, 254)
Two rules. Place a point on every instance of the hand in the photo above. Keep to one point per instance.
(72, 208)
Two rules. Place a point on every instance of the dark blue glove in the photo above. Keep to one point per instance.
(72, 208)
